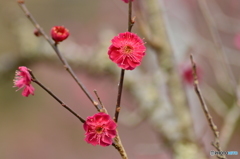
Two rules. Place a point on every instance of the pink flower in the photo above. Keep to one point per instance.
(187, 74)
(23, 80)
(126, 1)
(100, 129)
(127, 50)
(237, 41)
(59, 33)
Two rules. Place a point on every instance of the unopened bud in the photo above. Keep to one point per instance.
(37, 33)
(59, 33)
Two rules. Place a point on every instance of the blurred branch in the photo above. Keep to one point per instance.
(153, 27)
(224, 22)
(63, 60)
(230, 123)
(215, 101)
(217, 41)
(35, 80)
(167, 63)
(137, 116)
(213, 127)
(233, 114)
(150, 39)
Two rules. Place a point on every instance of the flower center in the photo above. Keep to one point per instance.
(127, 49)
(99, 129)
(60, 30)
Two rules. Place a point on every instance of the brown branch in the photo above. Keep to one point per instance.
(118, 145)
(34, 79)
(103, 109)
(130, 20)
(213, 127)
(120, 86)
(60, 56)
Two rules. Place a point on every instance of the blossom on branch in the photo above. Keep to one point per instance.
(100, 129)
(59, 33)
(127, 50)
(23, 80)
(126, 1)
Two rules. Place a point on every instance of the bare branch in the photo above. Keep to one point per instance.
(60, 56)
(103, 109)
(213, 127)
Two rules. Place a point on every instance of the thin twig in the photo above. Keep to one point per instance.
(120, 87)
(60, 56)
(34, 79)
(103, 109)
(130, 20)
(213, 127)
(95, 91)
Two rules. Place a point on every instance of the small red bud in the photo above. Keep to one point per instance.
(59, 33)
(37, 33)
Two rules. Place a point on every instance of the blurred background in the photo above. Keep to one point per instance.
(161, 116)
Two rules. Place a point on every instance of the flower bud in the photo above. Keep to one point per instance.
(59, 33)
(37, 33)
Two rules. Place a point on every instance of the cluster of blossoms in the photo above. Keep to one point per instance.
(23, 80)
(127, 51)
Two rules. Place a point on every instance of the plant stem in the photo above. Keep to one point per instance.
(117, 141)
(120, 86)
(118, 145)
